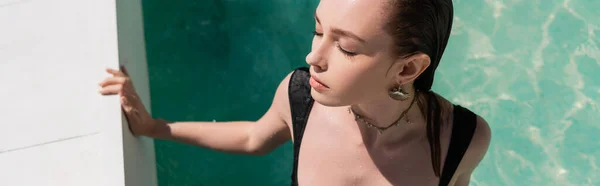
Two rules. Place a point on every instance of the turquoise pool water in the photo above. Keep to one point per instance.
(530, 67)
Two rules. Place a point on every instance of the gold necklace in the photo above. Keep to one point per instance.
(381, 129)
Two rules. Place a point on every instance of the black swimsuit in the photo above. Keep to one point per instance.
(301, 104)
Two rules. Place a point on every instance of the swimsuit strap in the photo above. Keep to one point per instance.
(300, 105)
(463, 127)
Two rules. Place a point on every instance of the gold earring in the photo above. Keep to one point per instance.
(398, 94)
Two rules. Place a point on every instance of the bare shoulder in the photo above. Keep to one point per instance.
(479, 143)
(477, 149)
(273, 128)
(281, 104)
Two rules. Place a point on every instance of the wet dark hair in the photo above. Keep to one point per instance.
(423, 26)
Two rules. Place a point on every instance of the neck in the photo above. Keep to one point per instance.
(385, 112)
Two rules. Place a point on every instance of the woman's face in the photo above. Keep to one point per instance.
(352, 54)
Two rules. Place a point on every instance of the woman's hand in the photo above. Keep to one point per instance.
(140, 121)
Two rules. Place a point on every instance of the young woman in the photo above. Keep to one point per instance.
(363, 113)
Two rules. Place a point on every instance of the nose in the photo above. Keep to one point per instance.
(316, 59)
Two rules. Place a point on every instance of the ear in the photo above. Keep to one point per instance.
(413, 66)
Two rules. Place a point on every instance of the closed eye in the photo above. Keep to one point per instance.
(346, 52)
(315, 33)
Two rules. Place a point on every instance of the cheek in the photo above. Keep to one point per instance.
(360, 84)
(366, 79)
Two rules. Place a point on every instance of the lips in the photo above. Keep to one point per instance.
(317, 84)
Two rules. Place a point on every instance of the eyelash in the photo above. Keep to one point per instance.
(345, 52)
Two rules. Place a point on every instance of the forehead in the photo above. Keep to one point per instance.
(365, 18)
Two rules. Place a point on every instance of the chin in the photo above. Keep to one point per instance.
(325, 99)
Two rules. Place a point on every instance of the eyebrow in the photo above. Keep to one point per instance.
(341, 32)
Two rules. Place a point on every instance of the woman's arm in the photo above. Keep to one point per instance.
(245, 137)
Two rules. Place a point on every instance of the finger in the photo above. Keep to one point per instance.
(114, 72)
(111, 89)
(113, 80)
(124, 70)
(127, 106)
